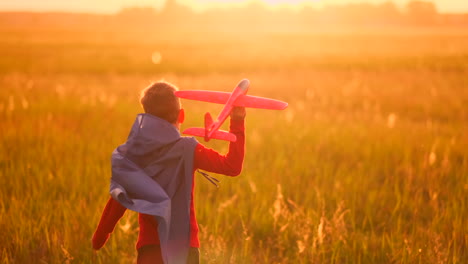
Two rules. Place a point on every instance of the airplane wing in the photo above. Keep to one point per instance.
(205, 96)
(260, 102)
(220, 134)
(222, 98)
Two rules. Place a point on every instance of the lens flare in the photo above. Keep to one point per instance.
(156, 57)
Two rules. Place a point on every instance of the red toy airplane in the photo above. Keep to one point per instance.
(238, 97)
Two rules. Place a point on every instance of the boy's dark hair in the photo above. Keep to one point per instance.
(159, 100)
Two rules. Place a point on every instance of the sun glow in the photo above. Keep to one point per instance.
(204, 4)
(113, 6)
(456, 6)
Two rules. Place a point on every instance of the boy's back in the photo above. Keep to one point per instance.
(155, 149)
(153, 174)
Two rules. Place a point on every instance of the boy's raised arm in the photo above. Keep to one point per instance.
(231, 163)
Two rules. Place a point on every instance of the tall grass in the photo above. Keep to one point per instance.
(369, 164)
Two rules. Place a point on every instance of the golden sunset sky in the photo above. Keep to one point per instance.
(112, 6)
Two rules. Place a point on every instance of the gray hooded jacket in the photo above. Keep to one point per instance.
(152, 174)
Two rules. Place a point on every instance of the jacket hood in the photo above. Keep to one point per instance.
(149, 134)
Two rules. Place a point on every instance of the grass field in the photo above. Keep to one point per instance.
(369, 164)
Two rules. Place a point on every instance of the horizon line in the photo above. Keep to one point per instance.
(288, 7)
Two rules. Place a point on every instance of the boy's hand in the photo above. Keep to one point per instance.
(238, 113)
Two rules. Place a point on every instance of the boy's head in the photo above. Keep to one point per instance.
(159, 100)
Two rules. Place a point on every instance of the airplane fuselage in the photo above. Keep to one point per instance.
(241, 89)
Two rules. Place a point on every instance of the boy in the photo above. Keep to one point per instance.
(153, 174)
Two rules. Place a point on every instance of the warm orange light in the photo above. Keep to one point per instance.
(201, 5)
(457, 6)
(113, 6)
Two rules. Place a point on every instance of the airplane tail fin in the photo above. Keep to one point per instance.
(208, 121)
(207, 133)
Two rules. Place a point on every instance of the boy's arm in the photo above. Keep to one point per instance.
(110, 216)
(231, 163)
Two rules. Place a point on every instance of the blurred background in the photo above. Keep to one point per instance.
(368, 164)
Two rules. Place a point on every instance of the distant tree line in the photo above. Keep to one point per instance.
(254, 16)
(415, 12)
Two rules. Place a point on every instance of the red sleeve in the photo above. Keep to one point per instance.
(229, 164)
(110, 216)
(210, 160)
